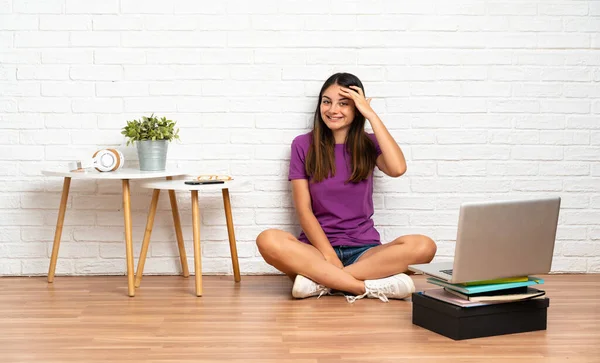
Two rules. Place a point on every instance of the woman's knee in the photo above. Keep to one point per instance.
(269, 242)
(426, 249)
(265, 239)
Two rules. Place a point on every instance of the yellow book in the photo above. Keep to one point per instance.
(497, 281)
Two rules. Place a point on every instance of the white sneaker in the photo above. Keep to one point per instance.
(305, 287)
(398, 286)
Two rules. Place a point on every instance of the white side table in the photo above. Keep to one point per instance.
(125, 175)
(179, 185)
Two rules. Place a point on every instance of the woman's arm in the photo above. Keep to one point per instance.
(310, 224)
(391, 161)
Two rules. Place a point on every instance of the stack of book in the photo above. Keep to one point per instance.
(488, 292)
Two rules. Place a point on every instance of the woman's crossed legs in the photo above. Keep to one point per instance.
(286, 253)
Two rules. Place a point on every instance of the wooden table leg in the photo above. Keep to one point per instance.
(197, 254)
(128, 238)
(230, 232)
(177, 222)
(59, 226)
(147, 234)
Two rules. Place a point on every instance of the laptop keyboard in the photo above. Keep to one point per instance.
(449, 272)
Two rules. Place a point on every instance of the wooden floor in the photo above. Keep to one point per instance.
(91, 319)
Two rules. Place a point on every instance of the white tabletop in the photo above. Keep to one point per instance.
(125, 173)
(180, 185)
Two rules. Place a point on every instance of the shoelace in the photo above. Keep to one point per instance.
(324, 291)
(376, 293)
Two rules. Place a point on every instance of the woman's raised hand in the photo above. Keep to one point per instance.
(363, 104)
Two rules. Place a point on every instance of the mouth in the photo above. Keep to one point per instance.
(335, 119)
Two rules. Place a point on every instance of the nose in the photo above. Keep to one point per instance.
(333, 108)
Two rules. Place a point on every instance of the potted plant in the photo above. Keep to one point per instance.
(151, 136)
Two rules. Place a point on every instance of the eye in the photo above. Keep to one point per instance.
(326, 102)
(343, 103)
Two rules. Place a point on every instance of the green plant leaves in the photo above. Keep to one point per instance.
(150, 128)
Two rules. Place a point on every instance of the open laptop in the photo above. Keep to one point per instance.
(500, 239)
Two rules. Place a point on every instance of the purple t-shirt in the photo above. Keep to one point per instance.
(343, 209)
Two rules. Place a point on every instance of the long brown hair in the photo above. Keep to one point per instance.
(320, 159)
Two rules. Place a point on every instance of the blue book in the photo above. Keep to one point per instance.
(484, 288)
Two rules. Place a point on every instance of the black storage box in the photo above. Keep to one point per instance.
(481, 321)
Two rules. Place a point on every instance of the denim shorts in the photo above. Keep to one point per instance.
(349, 254)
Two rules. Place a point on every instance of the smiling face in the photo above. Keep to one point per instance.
(336, 111)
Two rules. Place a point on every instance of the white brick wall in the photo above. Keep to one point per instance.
(488, 99)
